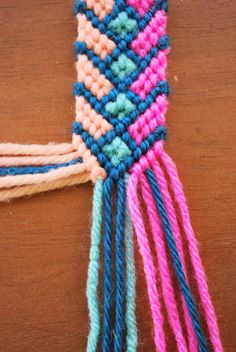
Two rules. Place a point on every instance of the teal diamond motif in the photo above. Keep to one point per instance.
(122, 24)
(123, 66)
(117, 151)
(121, 107)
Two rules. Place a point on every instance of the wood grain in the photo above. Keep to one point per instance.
(44, 240)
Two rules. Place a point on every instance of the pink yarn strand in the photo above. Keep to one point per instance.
(166, 281)
(193, 346)
(149, 267)
(207, 305)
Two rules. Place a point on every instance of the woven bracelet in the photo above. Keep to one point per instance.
(121, 95)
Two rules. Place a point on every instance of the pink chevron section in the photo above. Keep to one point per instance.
(149, 120)
(142, 6)
(154, 73)
(151, 34)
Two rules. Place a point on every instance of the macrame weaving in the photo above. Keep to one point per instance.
(118, 137)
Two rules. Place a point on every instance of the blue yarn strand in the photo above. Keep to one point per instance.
(32, 170)
(120, 270)
(93, 269)
(107, 293)
(130, 317)
(189, 300)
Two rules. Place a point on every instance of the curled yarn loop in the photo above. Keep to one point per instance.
(121, 98)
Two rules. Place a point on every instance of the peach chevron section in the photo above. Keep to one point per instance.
(91, 77)
(92, 37)
(90, 161)
(101, 8)
(91, 121)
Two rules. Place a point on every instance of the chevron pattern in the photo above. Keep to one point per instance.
(121, 89)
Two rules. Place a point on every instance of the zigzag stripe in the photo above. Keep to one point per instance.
(137, 150)
(104, 65)
(99, 106)
(122, 5)
(103, 26)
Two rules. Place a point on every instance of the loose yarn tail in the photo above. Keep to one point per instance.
(152, 181)
(93, 268)
(199, 272)
(29, 169)
(130, 317)
(164, 270)
(118, 315)
(149, 268)
(107, 286)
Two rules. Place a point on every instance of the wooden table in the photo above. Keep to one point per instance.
(44, 240)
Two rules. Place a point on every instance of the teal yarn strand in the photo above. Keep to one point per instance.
(130, 316)
(93, 269)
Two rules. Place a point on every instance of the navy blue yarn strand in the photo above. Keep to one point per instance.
(189, 300)
(32, 170)
(107, 294)
(120, 269)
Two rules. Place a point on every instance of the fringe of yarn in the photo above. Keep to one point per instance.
(130, 317)
(29, 169)
(153, 181)
(118, 313)
(30, 190)
(199, 272)
(93, 268)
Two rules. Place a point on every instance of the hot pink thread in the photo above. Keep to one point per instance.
(166, 281)
(150, 120)
(142, 6)
(149, 269)
(177, 235)
(151, 34)
(154, 73)
(207, 305)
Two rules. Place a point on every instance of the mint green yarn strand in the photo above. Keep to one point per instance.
(93, 269)
(130, 317)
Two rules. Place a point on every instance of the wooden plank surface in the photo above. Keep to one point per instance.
(44, 240)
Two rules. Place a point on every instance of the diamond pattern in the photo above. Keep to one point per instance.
(121, 107)
(117, 151)
(122, 24)
(115, 66)
(123, 66)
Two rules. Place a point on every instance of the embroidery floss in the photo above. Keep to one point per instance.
(119, 131)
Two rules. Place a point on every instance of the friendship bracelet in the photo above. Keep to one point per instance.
(121, 99)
